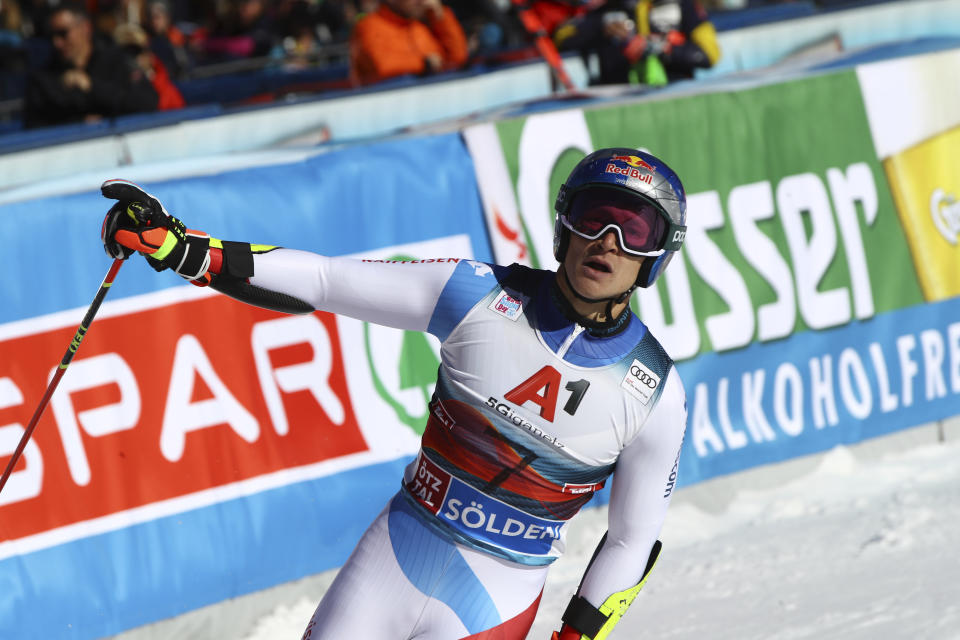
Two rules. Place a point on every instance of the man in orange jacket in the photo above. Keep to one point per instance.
(406, 37)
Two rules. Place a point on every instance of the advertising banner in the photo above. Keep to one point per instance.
(796, 314)
(197, 448)
(918, 142)
(926, 186)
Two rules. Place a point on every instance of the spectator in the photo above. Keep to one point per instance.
(406, 37)
(335, 19)
(12, 53)
(36, 13)
(244, 31)
(606, 31)
(86, 80)
(490, 26)
(134, 41)
(680, 34)
(647, 41)
(299, 27)
(110, 14)
(167, 41)
(11, 23)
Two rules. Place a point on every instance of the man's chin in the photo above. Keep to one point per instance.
(589, 288)
(596, 279)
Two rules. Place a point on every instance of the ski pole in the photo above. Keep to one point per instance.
(67, 357)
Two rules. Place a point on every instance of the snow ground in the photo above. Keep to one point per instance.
(856, 544)
(859, 543)
(852, 549)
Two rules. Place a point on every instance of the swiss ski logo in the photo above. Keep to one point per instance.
(640, 382)
(507, 305)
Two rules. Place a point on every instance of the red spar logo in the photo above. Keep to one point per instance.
(194, 406)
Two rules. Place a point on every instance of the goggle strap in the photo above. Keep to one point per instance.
(676, 234)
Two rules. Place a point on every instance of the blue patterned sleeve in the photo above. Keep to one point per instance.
(470, 282)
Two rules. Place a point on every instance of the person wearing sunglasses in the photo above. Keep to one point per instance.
(548, 386)
(86, 80)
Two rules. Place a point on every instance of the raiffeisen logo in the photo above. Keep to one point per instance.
(637, 168)
(945, 211)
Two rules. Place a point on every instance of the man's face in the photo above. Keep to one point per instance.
(159, 18)
(71, 37)
(600, 268)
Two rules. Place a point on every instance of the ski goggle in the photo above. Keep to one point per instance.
(641, 229)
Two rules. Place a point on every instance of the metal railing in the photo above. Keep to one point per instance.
(327, 54)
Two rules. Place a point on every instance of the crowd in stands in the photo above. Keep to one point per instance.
(76, 61)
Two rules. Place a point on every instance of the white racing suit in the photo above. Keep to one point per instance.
(531, 415)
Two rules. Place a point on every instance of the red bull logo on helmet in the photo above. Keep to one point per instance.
(641, 171)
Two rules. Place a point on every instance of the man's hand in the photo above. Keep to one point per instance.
(138, 222)
(663, 44)
(657, 45)
(636, 48)
(618, 29)
(129, 216)
(433, 63)
(77, 79)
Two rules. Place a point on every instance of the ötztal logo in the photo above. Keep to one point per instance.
(945, 211)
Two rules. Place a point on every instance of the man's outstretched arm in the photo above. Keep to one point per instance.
(400, 295)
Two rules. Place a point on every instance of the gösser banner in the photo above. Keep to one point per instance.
(197, 448)
(796, 315)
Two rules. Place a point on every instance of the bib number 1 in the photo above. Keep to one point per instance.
(543, 389)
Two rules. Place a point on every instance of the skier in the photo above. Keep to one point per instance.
(548, 384)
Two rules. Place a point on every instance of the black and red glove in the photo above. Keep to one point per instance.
(138, 222)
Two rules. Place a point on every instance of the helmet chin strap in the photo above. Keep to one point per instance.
(612, 300)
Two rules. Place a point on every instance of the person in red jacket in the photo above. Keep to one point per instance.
(406, 37)
(136, 43)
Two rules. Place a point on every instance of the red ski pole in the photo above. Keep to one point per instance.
(67, 357)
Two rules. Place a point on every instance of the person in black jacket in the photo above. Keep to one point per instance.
(86, 79)
(650, 42)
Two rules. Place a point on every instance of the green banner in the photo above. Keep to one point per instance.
(792, 223)
(795, 312)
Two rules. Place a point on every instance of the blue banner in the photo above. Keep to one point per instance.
(342, 202)
(816, 389)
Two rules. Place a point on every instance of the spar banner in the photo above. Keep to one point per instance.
(796, 314)
(197, 448)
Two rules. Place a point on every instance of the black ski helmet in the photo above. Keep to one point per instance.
(636, 173)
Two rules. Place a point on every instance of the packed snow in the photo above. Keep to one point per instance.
(857, 543)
